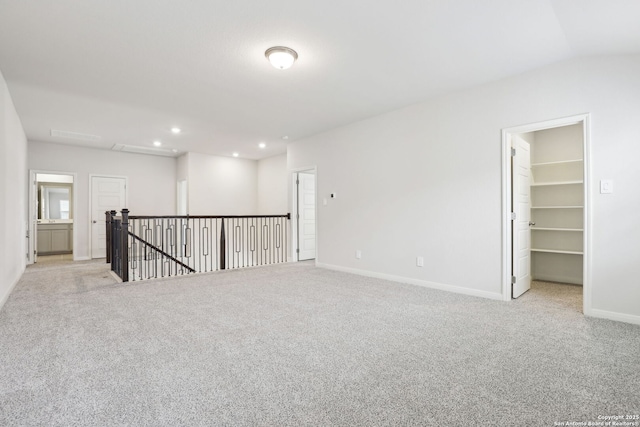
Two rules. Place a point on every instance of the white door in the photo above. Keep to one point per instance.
(306, 216)
(521, 197)
(107, 194)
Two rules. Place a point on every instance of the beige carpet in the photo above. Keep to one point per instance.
(291, 345)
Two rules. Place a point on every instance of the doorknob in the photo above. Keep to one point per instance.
(95, 222)
(531, 223)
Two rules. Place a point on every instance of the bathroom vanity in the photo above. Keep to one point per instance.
(55, 218)
(55, 236)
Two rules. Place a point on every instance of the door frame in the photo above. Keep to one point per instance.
(31, 247)
(126, 203)
(507, 249)
(295, 207)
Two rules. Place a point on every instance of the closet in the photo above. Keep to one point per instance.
(557, 204)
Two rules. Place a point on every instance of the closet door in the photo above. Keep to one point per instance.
(521, 277)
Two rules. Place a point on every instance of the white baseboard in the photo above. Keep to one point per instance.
(9, 291)
(417, 282)
(612, 315)
(82, 258)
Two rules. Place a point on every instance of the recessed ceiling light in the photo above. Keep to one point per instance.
(235, 154)
(281, 57)
(285, 137)
(175, 130)
(175, 150)
(157, 143)
(262, 145)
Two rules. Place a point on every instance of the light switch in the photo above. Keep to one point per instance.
(606, 186)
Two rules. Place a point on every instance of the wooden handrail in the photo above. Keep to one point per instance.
(287, 215)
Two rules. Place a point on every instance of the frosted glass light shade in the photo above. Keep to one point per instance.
(281, 57)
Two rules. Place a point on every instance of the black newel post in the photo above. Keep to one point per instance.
(107, 222)
(124, 241)
(115, 246)
(223, 247)
(110, 227)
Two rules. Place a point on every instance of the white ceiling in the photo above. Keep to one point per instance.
(128, 71)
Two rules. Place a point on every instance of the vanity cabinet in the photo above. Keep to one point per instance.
(55, 239)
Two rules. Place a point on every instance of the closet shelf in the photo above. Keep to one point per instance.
(561, 162)
(556, 251)
(543, 184)
(556, 229)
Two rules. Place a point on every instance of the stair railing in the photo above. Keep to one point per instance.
(146, 247)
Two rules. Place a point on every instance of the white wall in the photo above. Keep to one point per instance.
(151, 181)
(426, 180)
(13, 195)
(272, 186)
(221, 185)
(182, 167)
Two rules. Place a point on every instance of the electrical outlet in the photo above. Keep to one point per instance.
(420, 261)
(358, 254)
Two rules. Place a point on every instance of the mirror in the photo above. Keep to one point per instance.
(54, 200)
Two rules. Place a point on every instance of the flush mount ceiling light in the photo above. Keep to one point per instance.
(235, 154)
(281, 57)
(175, 130)
(262, 145)
(157, 143)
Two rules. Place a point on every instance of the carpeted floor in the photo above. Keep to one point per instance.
(292, 345)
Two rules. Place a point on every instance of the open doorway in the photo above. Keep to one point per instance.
(52, 207)
(304, 219)
(546, 221)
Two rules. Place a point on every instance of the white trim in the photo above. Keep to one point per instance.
(506, 200)
(612, 315)
(5, 298)
(587, 301)
(417, 282)
(294, 218)
(294, 209)
(506, 215)
(126, 203)
(32, 177)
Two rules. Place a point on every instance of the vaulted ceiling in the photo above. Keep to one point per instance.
(127, 71)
